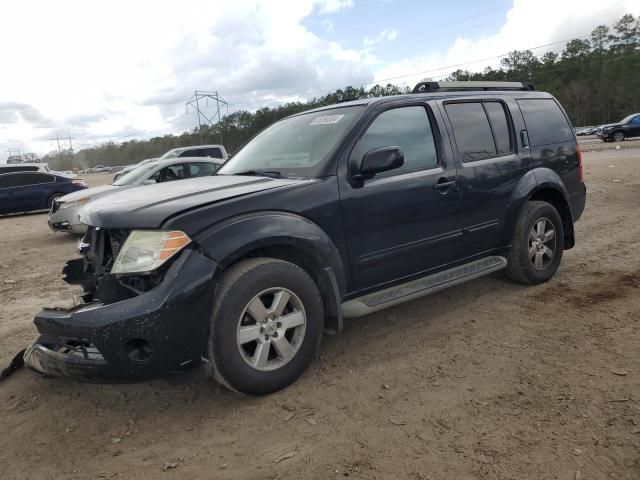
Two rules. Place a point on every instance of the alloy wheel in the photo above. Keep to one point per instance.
(542, 243)
(271, 329)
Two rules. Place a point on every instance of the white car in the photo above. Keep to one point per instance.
(33, 167)
(64, 215)
(206, 151)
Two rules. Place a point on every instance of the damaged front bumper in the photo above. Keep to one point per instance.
(157, 331)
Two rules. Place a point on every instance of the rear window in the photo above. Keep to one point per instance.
(212, 152)
(546, 124)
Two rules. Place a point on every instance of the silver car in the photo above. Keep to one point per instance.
(64, 215)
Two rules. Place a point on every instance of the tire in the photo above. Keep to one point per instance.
(243, 289)
(528, 261)
(618, 136)
(53, 198)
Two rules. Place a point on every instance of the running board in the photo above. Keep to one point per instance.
(423, 286)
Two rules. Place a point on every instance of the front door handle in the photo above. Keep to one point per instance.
(444, 184)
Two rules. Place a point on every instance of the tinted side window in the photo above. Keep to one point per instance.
(545, 122)
(636, 120)
(471, 130)
(202, 169)
(35, 178)
(500, 126)
(192, 153)
(408, 128)
(212, 152)
(9, 180)
(18, 169)
(172, 172)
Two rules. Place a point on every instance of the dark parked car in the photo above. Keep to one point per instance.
(628, 127)
(331, 213)
(27, 191)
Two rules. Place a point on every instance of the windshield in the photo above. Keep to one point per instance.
(628, 118)
(295, 146)
(173, 153)
(135, 176)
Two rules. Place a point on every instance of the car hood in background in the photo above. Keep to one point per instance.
(88, 192)
(149, 206)
(608, 125)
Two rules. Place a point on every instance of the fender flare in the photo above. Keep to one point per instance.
(236, 237)
(531, 182)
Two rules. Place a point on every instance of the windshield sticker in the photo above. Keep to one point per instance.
(326, 120)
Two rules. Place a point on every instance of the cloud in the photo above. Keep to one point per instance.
(132, 73)
(528, 24)
(333, 6)
(386, 35)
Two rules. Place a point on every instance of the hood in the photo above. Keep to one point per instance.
(88, 192)
(149, 206)
(610, 125)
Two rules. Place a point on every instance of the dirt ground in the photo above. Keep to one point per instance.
(488, 380)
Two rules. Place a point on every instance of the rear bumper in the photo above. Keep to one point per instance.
(161, 330)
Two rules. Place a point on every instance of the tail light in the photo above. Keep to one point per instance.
(580, 174)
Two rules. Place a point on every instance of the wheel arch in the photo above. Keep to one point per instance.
(543, 184)
(284, 236)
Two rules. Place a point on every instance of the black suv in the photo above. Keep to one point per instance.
(331, 213)
(628, 127)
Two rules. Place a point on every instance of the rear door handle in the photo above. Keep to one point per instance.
(444, 184)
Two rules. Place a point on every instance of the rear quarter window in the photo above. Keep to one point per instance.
(545, 121)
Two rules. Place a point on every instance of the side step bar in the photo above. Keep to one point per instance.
(423, 286)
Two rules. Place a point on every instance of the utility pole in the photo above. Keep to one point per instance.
(194, 102)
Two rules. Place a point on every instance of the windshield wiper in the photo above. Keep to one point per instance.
(259, 173)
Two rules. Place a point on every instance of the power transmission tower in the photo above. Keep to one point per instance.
(195, 102)
(57, 140)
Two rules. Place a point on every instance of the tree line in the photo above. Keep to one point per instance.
(596, 79)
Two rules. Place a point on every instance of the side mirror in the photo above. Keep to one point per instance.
(149, 181)
(379, 160)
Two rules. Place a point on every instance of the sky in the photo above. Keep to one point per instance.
(120, 70)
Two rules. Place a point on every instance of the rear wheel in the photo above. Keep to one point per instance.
(266, 325)
(537, 246)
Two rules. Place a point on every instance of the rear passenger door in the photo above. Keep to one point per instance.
(490, 164)
(35, 189)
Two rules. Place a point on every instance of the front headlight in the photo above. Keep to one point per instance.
(75, 203)
(146, 250)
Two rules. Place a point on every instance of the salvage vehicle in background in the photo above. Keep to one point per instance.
(33, 167)
(26, 191)
(628, 127)
(335, 212)
(210, 151)
(64, 215)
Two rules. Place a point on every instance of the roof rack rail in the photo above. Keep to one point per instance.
(425, 87)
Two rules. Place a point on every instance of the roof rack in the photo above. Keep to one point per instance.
(424, 87)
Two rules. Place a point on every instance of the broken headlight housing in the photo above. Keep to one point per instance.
(146, 250)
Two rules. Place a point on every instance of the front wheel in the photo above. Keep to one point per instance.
(53, 198)
(618, 136)
(266, 325)
(537, 246)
